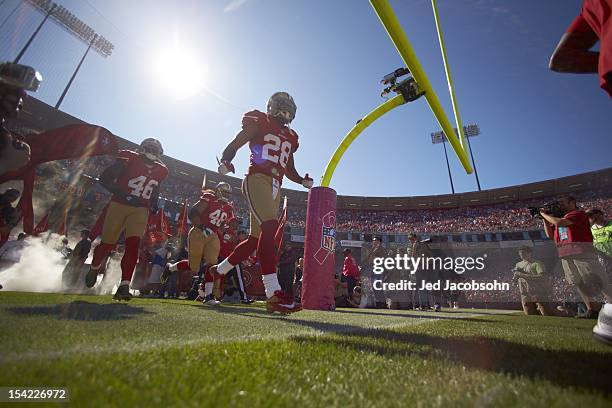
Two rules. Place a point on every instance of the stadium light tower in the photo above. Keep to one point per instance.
(469, 131)
(72, 25)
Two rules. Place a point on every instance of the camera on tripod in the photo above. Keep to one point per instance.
(407, 87)
(551, 208)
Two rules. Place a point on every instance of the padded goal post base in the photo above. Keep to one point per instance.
(319, 250)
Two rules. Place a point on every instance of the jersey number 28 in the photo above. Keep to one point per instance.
(271, 150)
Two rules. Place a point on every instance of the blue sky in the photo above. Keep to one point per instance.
(330, 55)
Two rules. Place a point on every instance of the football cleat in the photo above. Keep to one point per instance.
(589, 314)
(282, 303)
(603, 329)
(91, 277)
(123, 293)
(247, 301)
(165, 276)
(210, 300)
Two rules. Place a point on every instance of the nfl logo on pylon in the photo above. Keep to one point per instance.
(328, 239)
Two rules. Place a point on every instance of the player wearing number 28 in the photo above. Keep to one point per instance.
(272, 144)
(134, 181)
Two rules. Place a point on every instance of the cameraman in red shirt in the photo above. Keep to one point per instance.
(574, 241)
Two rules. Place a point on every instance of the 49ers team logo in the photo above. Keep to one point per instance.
(328, 237)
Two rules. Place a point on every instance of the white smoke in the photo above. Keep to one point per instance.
(40, 270)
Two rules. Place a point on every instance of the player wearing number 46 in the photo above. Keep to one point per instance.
(207, 216)
(134, 181)
(272, 144)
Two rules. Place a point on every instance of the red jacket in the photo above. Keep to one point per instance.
(350, 267)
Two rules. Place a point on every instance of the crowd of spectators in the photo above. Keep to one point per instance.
(505, 217)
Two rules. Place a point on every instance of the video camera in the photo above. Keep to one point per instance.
(15, 80)
(551, 208)
(408, 87)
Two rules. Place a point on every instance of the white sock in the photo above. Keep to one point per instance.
(208, 288)
(173, 267)
(224, 267)
(271, 284)
(124, 282)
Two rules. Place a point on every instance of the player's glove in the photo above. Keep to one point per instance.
(307, 182)
(226, 167)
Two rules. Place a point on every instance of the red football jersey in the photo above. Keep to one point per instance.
(139, 179)
(272, 146)
(596, 18)
(216, 213)
(228, 242)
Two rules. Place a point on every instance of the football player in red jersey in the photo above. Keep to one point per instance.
(272, 144)
(206, 216)
(134, 182)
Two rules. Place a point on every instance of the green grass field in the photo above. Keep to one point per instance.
(178, 353)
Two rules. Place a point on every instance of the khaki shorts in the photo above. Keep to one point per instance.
(262, 194)
(120, 217)
(534, 291)
(202, 246)
(586, 272)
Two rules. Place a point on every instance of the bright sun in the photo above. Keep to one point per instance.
(179, 71)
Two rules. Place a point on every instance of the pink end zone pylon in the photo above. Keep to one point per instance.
(319, 250)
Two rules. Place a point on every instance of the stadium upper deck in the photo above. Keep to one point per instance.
(38, 116)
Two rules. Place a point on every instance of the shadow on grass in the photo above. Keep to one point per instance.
(590, 371)
(418, 315)
(80, 310)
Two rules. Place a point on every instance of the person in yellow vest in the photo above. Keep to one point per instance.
(602, 237)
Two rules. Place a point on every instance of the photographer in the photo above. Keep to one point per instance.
(15, 80)
(569, 228)
(533, 284)
(376, 251)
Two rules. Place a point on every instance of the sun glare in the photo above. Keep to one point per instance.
(179, 71)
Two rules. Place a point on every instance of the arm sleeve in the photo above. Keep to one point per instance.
(575, 218)
(579, 25)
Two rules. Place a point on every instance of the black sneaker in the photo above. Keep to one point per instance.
(590, 314)
(163, 279)
(123, 293)
(247, 301)
(91, 277)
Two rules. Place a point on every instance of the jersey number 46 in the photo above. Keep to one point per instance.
(140, 188)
